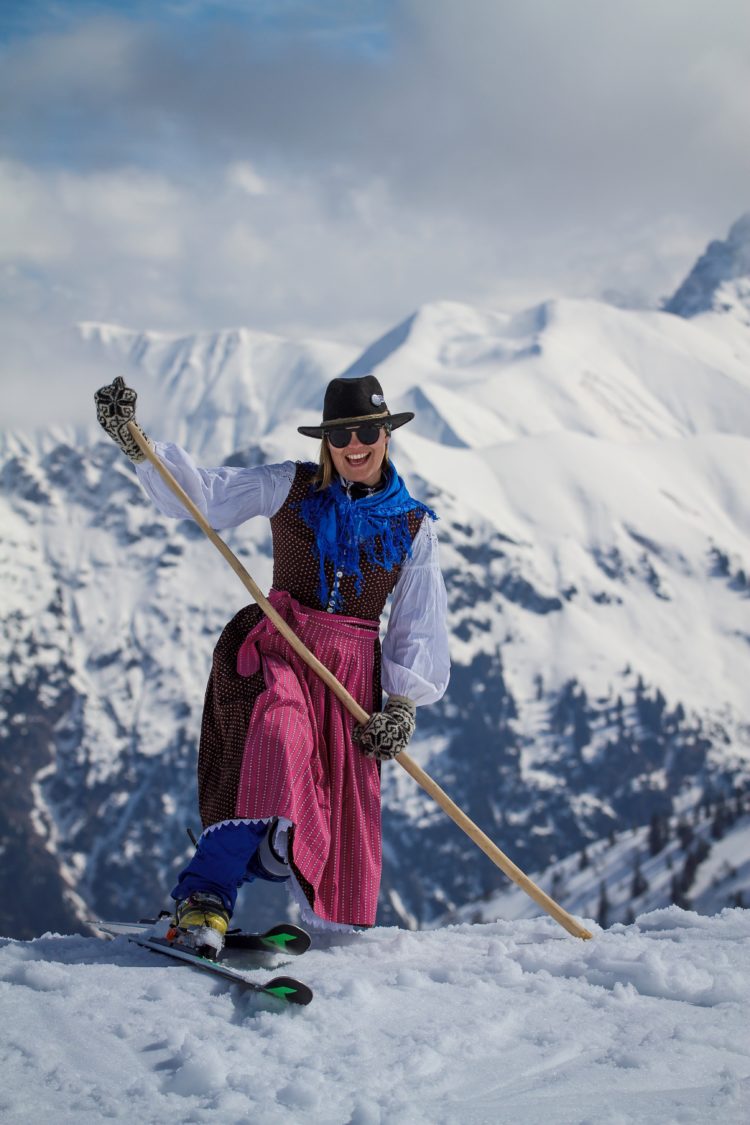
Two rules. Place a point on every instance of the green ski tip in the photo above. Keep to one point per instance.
(280, 939)
(282, 991)
(289, 990)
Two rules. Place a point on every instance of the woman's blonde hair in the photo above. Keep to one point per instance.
(325, 473)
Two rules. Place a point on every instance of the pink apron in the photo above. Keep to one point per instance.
(299, 760)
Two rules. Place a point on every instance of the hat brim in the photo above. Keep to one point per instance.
(393, 420)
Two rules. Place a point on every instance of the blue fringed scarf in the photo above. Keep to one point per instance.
(377, 524)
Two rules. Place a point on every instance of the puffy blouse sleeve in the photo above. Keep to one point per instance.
(226, 496)
(416, 662)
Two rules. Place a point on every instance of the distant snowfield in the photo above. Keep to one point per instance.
(502, 1022)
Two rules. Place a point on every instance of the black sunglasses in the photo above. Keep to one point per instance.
(368, 434)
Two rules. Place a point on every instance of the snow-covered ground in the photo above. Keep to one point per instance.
(501, 1022)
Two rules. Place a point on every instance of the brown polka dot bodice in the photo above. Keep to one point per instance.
(296, 566)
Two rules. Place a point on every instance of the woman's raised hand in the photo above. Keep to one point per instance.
(115, 407)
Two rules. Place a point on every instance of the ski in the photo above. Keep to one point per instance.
(282, 988)
(284, 938)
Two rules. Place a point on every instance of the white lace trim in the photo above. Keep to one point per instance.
(239, 820)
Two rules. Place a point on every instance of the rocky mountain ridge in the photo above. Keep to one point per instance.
(720, 279)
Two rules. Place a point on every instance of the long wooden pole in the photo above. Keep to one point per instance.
(498, 857)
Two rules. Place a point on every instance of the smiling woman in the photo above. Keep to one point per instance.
(289, 789)
(356, 429)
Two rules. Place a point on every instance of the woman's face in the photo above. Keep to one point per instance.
(361, 464)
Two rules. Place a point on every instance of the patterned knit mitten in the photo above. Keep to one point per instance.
(115, 407)
(387, 732)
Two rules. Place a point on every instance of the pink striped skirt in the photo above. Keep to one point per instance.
(299, 760)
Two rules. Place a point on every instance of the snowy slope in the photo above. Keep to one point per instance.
(589, 465)
(481, 1024)
(700, 859)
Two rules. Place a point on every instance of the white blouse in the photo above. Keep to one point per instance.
(415, 649)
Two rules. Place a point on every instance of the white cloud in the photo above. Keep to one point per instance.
(500, 153)
(543, 113)
(29, 230)
(133, 213)
(242, 175)
(49, 216)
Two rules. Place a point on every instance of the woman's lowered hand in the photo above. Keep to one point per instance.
(387, 732)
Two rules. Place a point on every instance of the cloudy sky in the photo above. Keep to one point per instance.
(324, 168)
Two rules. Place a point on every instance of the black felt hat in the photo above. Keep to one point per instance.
(354, 400)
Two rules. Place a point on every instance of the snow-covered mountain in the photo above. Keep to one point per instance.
(589, 464)
(217, 392)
